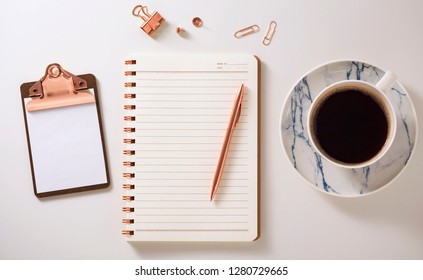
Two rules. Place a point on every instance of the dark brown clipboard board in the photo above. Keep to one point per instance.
(91, 83)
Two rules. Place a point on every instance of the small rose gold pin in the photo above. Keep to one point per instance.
(151, 21)
(197, 22)
(179, 29)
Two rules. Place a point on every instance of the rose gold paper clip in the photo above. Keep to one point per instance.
(247, 31)
(269, 33)
(151, 22)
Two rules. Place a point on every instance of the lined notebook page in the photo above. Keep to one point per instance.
(182, 109)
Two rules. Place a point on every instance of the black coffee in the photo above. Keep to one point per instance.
(350, 126)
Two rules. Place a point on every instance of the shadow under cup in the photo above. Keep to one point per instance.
(351, 124)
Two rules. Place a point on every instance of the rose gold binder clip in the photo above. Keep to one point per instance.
(247, 31)
(269, 33)
(58, 88)
(151, 22)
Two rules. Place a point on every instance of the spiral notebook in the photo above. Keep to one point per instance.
(176, 112)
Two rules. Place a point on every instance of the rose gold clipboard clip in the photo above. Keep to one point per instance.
(151, 22)
(58, 88)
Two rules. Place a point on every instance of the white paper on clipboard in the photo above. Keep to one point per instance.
(65, 141)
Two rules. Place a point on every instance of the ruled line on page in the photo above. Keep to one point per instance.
(191, 230)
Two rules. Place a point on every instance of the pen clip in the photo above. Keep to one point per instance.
(239, 104)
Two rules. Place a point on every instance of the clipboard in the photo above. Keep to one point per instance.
(64, 133)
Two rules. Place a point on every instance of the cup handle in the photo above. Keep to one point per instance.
(386, 82)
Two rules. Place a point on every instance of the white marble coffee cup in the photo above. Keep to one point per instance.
(377, 93)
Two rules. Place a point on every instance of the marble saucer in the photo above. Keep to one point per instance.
(324, 175)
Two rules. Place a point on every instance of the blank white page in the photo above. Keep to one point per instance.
(66, 147)
(183, 105)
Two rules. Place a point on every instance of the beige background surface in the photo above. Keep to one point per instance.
(298, 222)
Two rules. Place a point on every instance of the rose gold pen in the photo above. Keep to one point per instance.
(236, 113)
